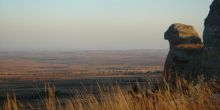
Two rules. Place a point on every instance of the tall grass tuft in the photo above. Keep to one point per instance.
(182, 95)
(11, 103)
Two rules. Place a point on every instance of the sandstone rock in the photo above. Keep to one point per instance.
(178, 34)
(211, 36)
(184, 58)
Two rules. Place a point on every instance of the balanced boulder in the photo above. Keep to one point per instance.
(185, 54)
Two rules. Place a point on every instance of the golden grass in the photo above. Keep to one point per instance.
(11, 103)
(181, 96)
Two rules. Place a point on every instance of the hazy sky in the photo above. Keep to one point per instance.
(94, 24)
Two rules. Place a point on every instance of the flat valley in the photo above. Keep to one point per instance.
(26, 73)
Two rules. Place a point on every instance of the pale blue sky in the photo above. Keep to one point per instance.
(94, 24)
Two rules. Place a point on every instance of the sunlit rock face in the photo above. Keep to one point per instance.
(180, 34)
(185, 55)
(211, 36)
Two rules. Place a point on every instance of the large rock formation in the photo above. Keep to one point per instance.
(184, 58)
(187, 57)
(211, 36)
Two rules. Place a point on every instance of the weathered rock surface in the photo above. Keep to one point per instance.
(186, 49)
(211, 36)
(181, 34)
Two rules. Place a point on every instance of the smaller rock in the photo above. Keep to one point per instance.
(179, 34)
(185, 55)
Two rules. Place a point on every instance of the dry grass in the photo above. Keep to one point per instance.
(181, 96)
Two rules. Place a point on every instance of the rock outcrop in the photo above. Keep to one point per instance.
(211, 37)
(185, 55)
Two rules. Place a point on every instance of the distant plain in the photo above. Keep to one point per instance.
(26, 73)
